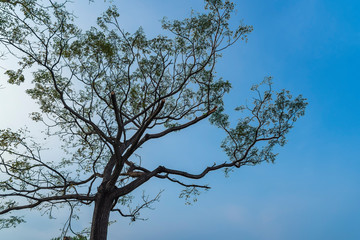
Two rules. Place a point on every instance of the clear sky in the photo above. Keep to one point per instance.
(310, 47)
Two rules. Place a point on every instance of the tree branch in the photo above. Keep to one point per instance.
(49, 199)
(176, 128)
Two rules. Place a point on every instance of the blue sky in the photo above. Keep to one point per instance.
(310, 47)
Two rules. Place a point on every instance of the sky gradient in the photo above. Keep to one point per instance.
(310, 47)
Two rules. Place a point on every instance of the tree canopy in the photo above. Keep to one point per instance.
(105, 92)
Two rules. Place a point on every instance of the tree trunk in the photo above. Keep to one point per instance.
(100, 220)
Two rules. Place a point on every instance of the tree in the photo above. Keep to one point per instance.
(105, 93)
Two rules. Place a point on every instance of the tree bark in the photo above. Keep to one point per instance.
(100, 220)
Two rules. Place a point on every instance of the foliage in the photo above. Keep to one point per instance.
(80, 237)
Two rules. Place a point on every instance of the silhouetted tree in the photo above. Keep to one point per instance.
(105, 93)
